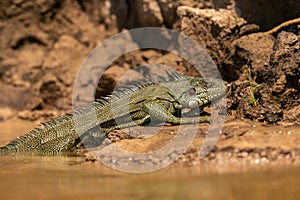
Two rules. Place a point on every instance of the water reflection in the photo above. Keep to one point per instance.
(63, 177)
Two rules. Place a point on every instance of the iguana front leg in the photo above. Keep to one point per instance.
(150, 109)
(156, 110)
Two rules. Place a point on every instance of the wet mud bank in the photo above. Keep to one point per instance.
(43, 43)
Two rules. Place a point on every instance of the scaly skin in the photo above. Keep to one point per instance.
(161, 100)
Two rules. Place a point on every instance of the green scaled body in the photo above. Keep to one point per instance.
(137, 104)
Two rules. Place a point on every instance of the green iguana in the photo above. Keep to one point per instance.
(161, 100)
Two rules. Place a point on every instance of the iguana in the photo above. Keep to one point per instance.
(161, 100)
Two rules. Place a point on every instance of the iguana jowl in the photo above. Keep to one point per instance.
(162, 100)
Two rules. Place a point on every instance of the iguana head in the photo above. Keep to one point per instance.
(197, 92)
(204, 91)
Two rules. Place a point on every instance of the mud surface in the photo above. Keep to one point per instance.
(43, 43)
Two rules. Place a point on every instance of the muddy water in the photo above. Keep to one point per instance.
(73, 178)
(70, 176)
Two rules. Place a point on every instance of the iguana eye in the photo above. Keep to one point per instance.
(193, 103)
(192, 91)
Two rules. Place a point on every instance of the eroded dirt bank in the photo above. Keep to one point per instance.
(43, 43)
